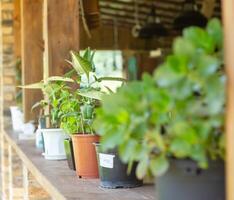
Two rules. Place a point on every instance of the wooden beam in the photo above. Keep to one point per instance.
(61, 33)
(32, 52)
(228, 16)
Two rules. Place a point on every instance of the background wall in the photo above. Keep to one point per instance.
(9, 60)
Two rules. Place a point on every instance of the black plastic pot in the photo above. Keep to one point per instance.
(113, 172)
(186, 181)
(69, 153)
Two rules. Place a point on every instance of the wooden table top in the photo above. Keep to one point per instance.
(61, 182)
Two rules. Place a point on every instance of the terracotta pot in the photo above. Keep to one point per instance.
(85, 155)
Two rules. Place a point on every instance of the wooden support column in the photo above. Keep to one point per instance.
(32, 51)
(61, 34)
(228, 16)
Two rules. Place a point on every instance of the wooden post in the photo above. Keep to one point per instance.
(32, 51)
(228, 16)
(61, 34)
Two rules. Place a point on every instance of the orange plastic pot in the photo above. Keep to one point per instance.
(85, 155)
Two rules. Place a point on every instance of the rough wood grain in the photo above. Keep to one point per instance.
(61, 32)
(61, 183)
(228, 16)
(32, 52)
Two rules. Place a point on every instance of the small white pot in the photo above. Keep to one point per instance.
(54, 144)
(17, 118)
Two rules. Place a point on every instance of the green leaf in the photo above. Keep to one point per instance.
(198, 154)
(81, 65)
(38, 85)
(127, 150)
(214, 29)
(70, 73)
(39, 104)
(182, 46)
(207, 65)
(109, 140)
(92, 94)
(109, 90)
(183, 130)
(111, 79)
(166, 76)
(159, 165)
(60, 78)
(180, 148)
(159, 142)
(200, 38)
(142, 168)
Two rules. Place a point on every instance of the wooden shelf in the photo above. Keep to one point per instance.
(61, 183)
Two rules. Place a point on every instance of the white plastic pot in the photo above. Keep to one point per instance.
(17, 118)
(54, 145)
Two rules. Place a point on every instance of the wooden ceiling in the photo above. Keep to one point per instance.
(123, 11)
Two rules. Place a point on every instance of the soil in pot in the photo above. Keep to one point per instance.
(113, 172)
(69, 153)
(185, 181)
(85, 155)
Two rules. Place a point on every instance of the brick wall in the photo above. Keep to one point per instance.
(9, 89)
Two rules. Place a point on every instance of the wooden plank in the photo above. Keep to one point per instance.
(228, 16)
(61, 33)
(32, 52)
(61, 182)
(17, 28)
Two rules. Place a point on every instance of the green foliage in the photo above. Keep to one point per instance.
(72, 99)
(78, 110)
(177, 113)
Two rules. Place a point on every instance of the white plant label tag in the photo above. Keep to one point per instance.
(106, 160)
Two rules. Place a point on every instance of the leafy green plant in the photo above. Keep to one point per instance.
(74, 97)
(178, 113)
(78, 109)
(55, 90)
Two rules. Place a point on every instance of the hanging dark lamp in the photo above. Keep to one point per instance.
(190, 16)
(152, 27)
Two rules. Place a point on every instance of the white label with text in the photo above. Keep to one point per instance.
(106, 160)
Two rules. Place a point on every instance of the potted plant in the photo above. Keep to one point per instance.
(172, 124)
(79, 112)
(55, 89)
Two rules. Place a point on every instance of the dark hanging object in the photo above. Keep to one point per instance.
(153, 27)
(190, 16)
